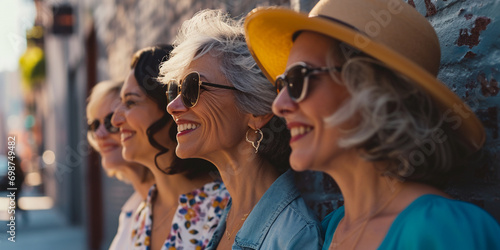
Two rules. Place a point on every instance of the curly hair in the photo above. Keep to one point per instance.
(215, 33)
(145, 64)
(398, 121)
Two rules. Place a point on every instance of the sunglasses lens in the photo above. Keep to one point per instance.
(107, 124)
(93, 126)
(295, 77)
(172, 90)
(280, 83)
(190, 89)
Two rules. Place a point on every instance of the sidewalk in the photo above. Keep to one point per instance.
(42, 230)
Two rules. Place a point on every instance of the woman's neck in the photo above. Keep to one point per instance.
(363, 186)
(246, 177)
(170, 187)
(366, 190)
(134, 173)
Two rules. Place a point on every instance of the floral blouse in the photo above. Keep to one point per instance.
(194, 222)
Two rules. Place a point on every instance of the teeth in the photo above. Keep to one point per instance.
(187, 126)
(125, 135)
(299, 130)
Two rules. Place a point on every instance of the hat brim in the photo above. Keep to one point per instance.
(269, 33)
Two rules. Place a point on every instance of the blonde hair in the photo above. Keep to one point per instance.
(100, 91)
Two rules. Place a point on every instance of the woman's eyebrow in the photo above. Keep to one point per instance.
(131, 94)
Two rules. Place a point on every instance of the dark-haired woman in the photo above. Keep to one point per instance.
(183, 208)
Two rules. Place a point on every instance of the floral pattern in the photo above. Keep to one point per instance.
(194, 222)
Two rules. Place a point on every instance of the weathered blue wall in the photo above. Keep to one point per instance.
(469, 33)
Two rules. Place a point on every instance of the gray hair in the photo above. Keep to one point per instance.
(216, 33)
(398, 121)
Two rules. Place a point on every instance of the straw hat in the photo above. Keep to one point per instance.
(389, 30)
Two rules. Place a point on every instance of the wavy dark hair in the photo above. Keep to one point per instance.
(145, 64)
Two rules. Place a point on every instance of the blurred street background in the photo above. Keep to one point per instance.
(52, 52)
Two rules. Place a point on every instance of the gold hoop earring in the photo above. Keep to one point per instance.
(256, 143)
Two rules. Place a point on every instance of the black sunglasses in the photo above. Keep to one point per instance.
(189, 89)
(296, 78)
(107, 125)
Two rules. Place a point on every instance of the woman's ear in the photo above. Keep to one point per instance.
(258, 121)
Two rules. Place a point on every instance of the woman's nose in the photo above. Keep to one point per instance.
(117, 119)
(283, 104)
(176, 106)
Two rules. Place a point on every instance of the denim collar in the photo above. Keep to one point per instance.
(262, 216)
(281, 193)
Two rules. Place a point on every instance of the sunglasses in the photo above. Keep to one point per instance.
(189, 89)
(107, 125)
(296, 79)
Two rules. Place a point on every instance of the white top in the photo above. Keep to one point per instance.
(122, 238)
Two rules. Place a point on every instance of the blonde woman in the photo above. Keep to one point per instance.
(105, 139)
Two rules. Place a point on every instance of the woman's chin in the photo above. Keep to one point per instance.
(300, 163)
(113, 164)
(183, 152)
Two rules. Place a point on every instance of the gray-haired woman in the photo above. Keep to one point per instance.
(221, 103)
(363, 105)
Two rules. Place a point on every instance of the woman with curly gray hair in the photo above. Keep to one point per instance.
(363, 105)
(221, 103)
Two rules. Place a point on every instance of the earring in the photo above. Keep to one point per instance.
(256, 143)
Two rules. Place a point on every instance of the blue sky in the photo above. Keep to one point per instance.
(15, 17)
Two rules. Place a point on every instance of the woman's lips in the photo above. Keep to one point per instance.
(126, 135)
(298, 130)
(185, 127)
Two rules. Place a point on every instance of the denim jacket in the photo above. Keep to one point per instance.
(280, 220)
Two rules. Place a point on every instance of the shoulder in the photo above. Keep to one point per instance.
(132, 203)
(433, 221)
(298, 226)
(330, 222)
(212, 196)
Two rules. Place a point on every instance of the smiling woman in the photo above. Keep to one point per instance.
(365, 118)
(221, 103)
(105, 139)
(184, 206)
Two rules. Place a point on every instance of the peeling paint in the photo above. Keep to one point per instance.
(471, 37)
(470, 54)
(488, 88)
(410, 2)
(431, 8)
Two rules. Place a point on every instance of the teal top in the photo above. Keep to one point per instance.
(433, 222)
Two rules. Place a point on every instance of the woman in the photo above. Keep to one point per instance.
(184, 206)
(105, 139)
(363, 105)
(223, 114)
